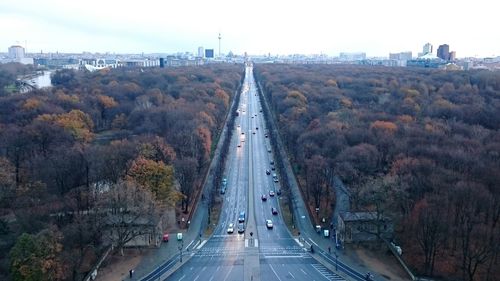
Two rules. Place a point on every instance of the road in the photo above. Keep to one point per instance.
(268, 254)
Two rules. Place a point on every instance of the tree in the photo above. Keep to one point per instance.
(130, 211)
(186, 173)
(156, 177)
(36, 257)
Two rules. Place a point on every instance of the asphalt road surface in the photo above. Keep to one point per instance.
(270, 253)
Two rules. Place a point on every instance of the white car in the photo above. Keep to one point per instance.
(230, 228)
(269, 223)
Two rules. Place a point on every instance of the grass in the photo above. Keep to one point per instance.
(287, 215)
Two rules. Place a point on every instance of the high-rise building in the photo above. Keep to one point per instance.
(209, 53)
(201, 52)
(453, 55)
(16, 52)
(427, 49)
(444, 52)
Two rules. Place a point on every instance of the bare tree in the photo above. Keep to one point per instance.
(129, 212)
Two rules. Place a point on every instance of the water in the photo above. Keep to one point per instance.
(42, 80)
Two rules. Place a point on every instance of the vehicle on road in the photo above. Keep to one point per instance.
(271, 162)
(266, 135)
(268, 172)
(165, 237)
(273, 168)
(278, 192)
(241, 217)
(263, 197)
(223, 190)
(274, 211)
(179, 236)
(271, 193)
(239, 144)
(241, 227)
(230, 228)
(275, 177)
(269, 150)
(269, 224)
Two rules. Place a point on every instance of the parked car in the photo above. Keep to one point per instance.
(274, 211)
(230, 228)
(269, 224)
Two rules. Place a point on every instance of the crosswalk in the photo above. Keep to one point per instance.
(327, 273)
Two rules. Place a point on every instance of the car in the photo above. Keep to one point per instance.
(263, 197)
(230, 228)
(223, 190)
(268, 172)
(241, 227)
(252, 116)
(274, 211)
(273, 168)
(265, 135)
(253, 132)
(165, 237)
(271, 193)
(241, 217)
(269, 150)
(271, 162)
(238, 125)
(256, 128)
(239, 144)
(261, 110)
(269, 224)
(278, 192)
(242, 133)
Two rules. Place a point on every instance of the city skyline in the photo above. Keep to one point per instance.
(280, 27)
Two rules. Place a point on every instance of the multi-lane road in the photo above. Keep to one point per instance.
(270, 253)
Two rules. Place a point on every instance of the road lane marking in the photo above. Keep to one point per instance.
(256, 243)
(246, 243)
(274, 271)
(198, 276)
(303, 271)
(291, 274)
(201, 244)
(189, 245)
(182, 277)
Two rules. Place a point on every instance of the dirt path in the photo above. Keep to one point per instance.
(385, 264)
(117, 267)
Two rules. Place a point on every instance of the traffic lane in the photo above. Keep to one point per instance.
(203, 269)
(295, 268)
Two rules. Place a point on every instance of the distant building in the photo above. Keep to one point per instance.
(401, 58)
(453, 55)
(17, 54)
(427, 48)
(352, 56)
(201, 52)
(363, 226)
(443, 52)
(209, 53)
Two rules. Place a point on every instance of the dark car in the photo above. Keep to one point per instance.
(268, 172)
(265, 135)
(263, 197)
(274, 211)
(241, 227)
(278, 192)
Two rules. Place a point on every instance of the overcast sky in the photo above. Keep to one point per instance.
(254, 26)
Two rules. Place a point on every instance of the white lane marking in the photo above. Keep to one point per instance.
(198, 276)
(291, 256)
(246, 243)
(211, 278)
(227, 275)
(201, 245)
(303, 271)
(218, 268)
(272, 268)
(312, 241)
(189, 245)
(298, 242)
(182, 277)
(204, 268)
(256, 243)
(291, 274)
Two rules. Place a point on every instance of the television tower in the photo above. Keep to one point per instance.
(219, 43)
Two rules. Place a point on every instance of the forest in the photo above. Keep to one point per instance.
(417, 145)
(98, 152)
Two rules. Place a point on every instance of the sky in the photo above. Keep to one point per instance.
(253, 26)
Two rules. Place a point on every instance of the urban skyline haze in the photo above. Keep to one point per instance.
(256, 27)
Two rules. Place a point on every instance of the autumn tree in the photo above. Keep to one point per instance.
(156, 177)
(35, 257)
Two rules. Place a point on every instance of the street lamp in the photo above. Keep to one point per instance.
(180, 250)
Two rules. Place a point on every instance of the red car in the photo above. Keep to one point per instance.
(165, 237)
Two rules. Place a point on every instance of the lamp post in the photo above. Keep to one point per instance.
(180, 250)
